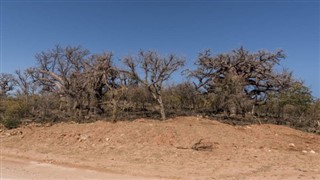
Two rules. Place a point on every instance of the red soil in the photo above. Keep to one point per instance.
(163, 149)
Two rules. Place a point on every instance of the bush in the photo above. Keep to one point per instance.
(12, 111)
(11, 123)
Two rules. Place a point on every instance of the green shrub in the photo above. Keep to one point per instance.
(11, 123)
(12, 111)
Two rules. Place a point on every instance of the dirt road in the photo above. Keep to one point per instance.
(13, 168)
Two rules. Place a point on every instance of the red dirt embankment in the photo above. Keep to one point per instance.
(166, 149)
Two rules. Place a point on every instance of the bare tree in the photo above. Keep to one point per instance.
(116, 93)
(100, 76)
(6, 83)
(79, 79)
(25, 83)
(253, 73)
(156, 70)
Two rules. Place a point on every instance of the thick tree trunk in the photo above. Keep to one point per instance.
(232, 109)
(253, 112)
(162, 111)
(114, 110)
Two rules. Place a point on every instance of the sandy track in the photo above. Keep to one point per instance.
(14, 168)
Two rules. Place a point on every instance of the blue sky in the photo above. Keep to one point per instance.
(181, 27)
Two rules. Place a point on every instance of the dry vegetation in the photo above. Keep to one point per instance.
(71, 84)
(49, 113)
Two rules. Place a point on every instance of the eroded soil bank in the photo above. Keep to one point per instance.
(179, 148)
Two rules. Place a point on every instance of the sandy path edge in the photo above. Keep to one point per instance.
(14, 165)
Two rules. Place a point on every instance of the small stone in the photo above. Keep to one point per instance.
(312, 152)
(292, 145)
(47, 125)
(142, 120)
(83, 138)
(304, 151)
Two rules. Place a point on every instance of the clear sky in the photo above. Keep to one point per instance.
(181, 27)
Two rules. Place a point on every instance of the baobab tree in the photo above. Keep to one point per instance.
(240, 75)
(76, 76)
(155, 71)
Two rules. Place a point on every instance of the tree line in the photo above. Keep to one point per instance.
(70, 83)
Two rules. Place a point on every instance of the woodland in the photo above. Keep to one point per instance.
(238, 87)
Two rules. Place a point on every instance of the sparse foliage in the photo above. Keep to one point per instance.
(70, 83)
(79, 79)
(6, 83)
(238, 74)
(156, 70)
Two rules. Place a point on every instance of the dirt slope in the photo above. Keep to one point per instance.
(148, 148)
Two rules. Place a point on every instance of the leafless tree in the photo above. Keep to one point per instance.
(80, 79)
(100, 76)
(25, 83)
(155, 71)
(252, 72)
(6, 83)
